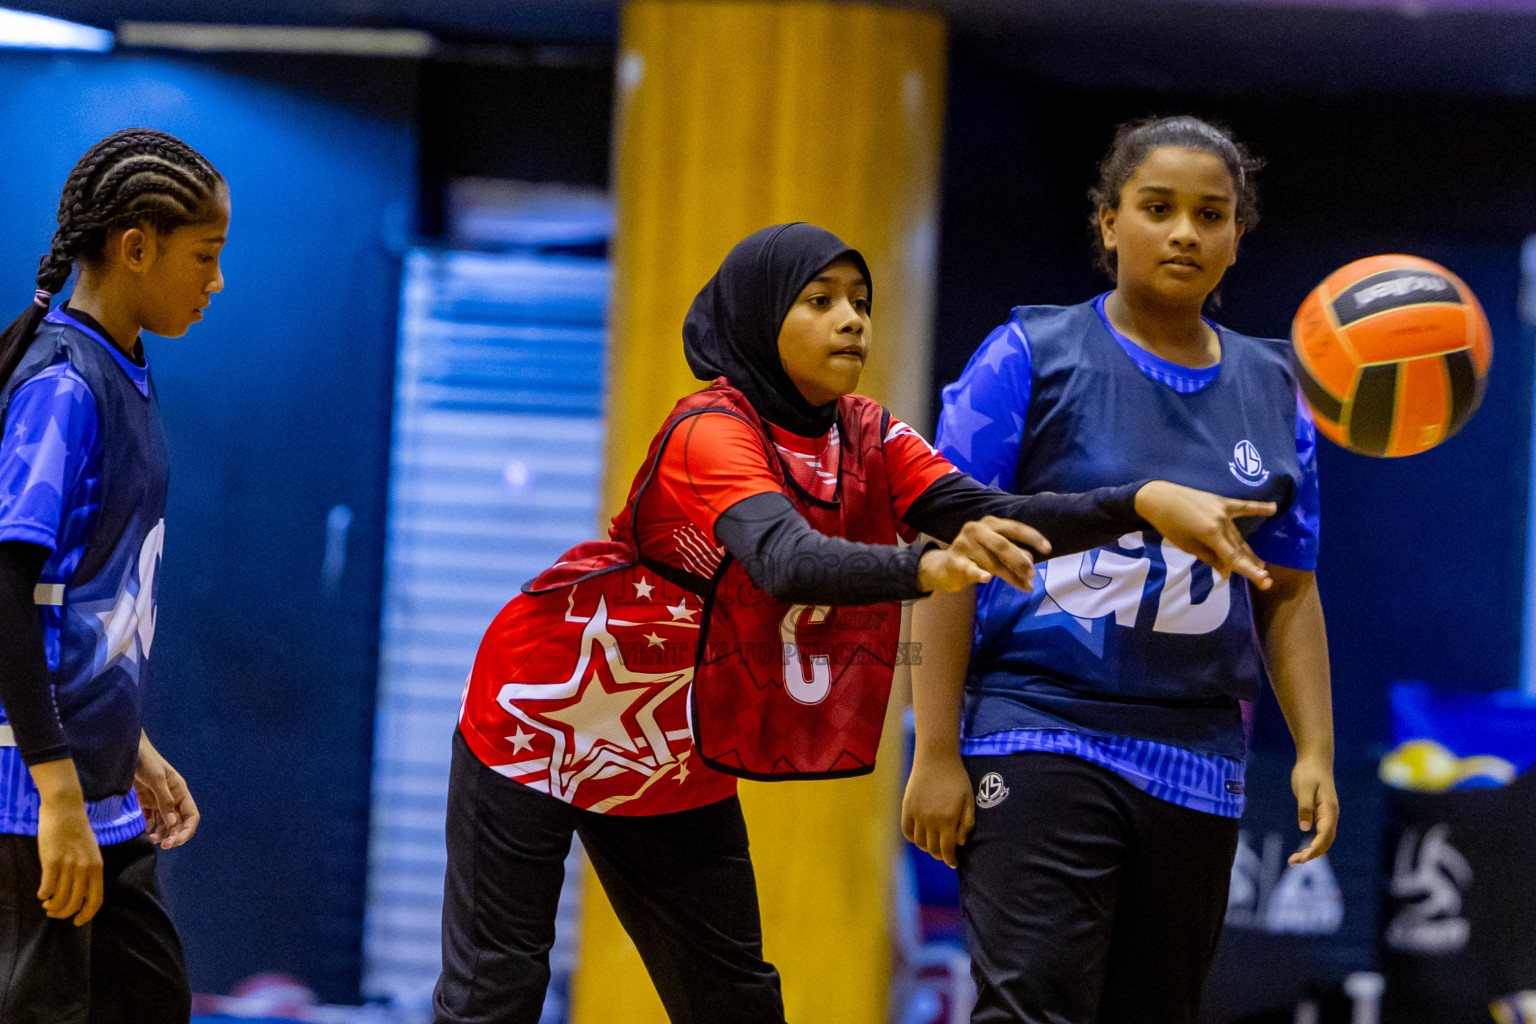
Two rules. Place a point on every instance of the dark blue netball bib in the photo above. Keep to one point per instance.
(106, 602)
(1136, 639)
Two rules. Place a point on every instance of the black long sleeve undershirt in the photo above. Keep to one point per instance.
(26, 691)
(1071, 522)
(793, 562)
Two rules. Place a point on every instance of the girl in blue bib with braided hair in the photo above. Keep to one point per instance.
(84, 796)
(1080, 748)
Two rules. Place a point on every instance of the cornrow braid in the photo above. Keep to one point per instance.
(133, 178)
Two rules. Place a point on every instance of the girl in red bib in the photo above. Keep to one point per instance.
(742, 619)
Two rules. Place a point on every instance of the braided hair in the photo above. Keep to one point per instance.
(137, 177)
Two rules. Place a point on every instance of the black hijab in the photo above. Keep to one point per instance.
(732, 328)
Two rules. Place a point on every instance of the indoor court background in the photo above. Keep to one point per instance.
(298, 457)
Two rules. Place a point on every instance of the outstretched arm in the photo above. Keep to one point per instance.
(793, 562)
(1199, 522)
(1071, 522)
(716, 469)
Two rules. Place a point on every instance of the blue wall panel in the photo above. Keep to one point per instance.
(277, 409)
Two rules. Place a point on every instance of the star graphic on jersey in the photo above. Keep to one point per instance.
(681, 610)
(997, 352)
(964, 423)
(1057, 602)
(603, 718)
(597, 718)
(125, 624)
(44, 459)
(653, 640)
(1018, 429)
(643, 588)
(120, 627)
(520, 740)
(682, 770)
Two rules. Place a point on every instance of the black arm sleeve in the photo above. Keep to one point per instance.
(26, 691)
(793, 562)
(1071, 522)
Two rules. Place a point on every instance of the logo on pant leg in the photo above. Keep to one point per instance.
(991, 791)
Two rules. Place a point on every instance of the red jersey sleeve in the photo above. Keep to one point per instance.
(712, 461)
(911, 464)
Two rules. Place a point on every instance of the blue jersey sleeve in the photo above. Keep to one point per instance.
(981, 427)
(1291, 538)
(51, 439)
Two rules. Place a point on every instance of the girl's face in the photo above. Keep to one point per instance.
(824, 338)
(180, 273)
(1173, 235)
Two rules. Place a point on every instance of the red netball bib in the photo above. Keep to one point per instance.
(798, 691)
(609, 680)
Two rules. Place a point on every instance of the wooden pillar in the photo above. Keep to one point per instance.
(732, 116)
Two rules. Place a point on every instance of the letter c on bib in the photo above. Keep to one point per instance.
(815, 689)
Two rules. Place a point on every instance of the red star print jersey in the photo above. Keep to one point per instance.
(592, 707)
(625, 670)
(715, 461)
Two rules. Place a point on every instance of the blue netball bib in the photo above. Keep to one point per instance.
(97, 594)
(1135, 638)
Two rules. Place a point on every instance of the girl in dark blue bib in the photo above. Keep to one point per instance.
(1080, 748)
(84, 796)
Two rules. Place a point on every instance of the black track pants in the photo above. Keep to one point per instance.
(1086, 901)
(681, 884)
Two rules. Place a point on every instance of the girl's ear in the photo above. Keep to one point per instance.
(133, 248)
(1236, 244)
(1107, 215)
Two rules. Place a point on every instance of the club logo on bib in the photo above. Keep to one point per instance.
(991, 791)
(1246, 464)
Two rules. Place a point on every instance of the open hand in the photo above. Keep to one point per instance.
(984, 548)
(1201, 524)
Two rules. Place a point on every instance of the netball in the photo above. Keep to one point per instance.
(1392, 354)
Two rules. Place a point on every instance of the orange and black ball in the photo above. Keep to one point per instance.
(1392, 353)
